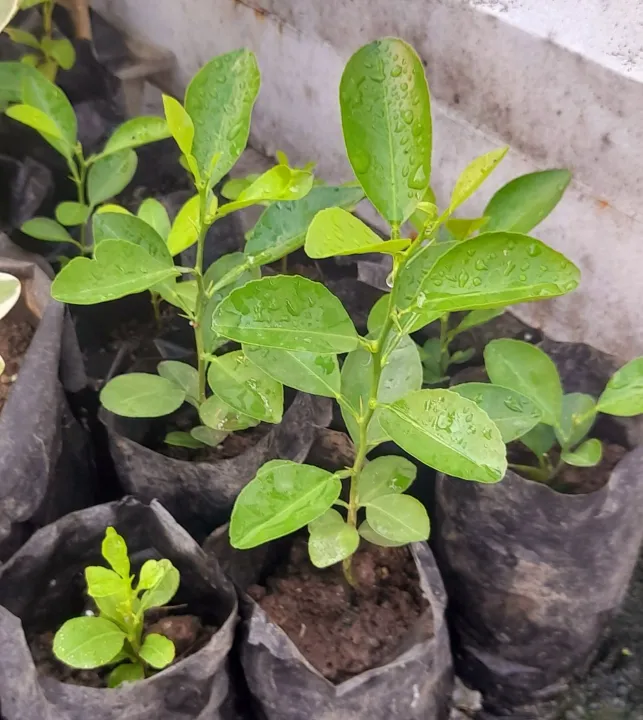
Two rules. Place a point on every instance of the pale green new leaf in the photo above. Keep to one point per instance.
(125, 673)
(586, 455)
(385, 475)
(151, 572)
(623, 394)
(40, 93)
(88, 642)
(17, 35)
(114, 550)
(61, 50)
(141, 395)
(102, 582)
(136, 132)
(331, 539)
(576, 419)
(186, 227)
(157, 651)
(164, 589)
(474, 175)
(110, 175)
(180, 124)
(121, 226)
(400, 518)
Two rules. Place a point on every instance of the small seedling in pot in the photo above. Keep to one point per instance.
(526, 401)
(133, 254)
(115, 637)
(294, 329)
(9, 294)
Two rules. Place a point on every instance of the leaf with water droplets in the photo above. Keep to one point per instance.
(141, 395)
(513, 413)
(385, 475)
(336, 232)
(136, 132)
(304, 371)
(576, 419)
(49, 99)
(183, 376)
(409, 282)
(88, 642)
(331, 539)
(283, 497)
(386, 119)
(218, 415)
(623, 394)
(524, 202)
(497, 269)
(474, 175)
(245, 387)
(119, 226)
(447, 432)
(588, 454)
(219, 99)
(286, 312)
(400, 518)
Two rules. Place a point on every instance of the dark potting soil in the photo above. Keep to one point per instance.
(187, 632)
(15, 338)
(232, 446)
(341, 631)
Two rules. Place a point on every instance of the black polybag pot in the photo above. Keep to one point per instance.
(417, 685)
(200, 495)
(40, 588)
(46, 465)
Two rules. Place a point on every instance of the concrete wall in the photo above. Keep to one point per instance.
(560, 81)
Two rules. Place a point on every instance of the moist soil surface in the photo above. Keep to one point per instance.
(187, 632)
(342, 631)
(15, 338)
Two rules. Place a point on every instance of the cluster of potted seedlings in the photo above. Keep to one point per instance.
(129, 608)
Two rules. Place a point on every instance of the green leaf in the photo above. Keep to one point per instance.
(497, 269)
(88, 642)
(119, 268)
(44, 228)
(576, 419)
(431, 356)
(586, 455)
(474, 175)
(623, 394)
(121, 226)
(110, 175)
(125, 673)
(36, 119)
(112, 208)
(234, 187)
(476, 318)
(377, 315)
(136, 132)
(60, 50)
(386, 119)
(22, 37)
(246, 388)
(12, 75)
(447, 432)
(186, 227)
(462, 228)
(335, 231)
(540, 440)
(409, 282)
(151, 572)
(286, 312)
(9, 292)
(304, 371)
(282, 498)
(219, 99)
(331, 539)
(401, 374)
(459, 357)
(164, 589)
(114, 550)
(513, 413)
(181, 294)
(219, 416)
(400, 518)
(40, 93)
(208, 436)
(527, 200)
(177, 438)
(155, 215)
(282, 227)
(102, 582)
(72, 213)
(385, 475)
(184, 376)
(367, 532)
(180, 124)
(522, 367)
(141, 395)
(157, 651)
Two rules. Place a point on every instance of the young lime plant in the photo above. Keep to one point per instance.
(9, 293)
(136, 253)
(294, 329)
(115, 637)
(526, 401)
(518, 207)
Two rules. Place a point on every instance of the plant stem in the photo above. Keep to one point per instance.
(47, 15)
(444, 343)
(201, 297)
(79, 174)
(156, 307)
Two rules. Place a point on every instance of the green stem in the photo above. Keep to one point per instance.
(156, 307)
(444, 343)
(79, 174)
(47, 17)
(201, 296)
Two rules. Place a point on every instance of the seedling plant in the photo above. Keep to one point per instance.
(294, 329)
(115, 637)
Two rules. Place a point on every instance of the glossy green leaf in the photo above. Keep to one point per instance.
(400, 518)
(409, 282)
(157, 651)
(61, 50)
(125, 673)
(234, 187)
(282, 498)
(476, 318)
(527, 200)
(17, 35)
(386, 119)
(184, 376)
(119, 226)
(586, 455)
(136, 132)
(9, 292)
(208, 436)
(522, 367)
(331, 539)
(40, 93)
(88, 642)
(282, 227)
(155, 215)
(623, 394)
(377, 315)
(539, 440)
(186, 227)
(112, 208)
(304, 371)
(462, 228)
(72, 213)
(180, 293)
(178, 438)
(141, 395)
(151, 572)
(474, 175)
(367, 532)
(44, 228)
(102, 582)
(245, 387)
(12, 75)
(497, 269)
(218, 415)
(385, 475)
(110, 175)
(513, 413)
(119, 268)
(179, 123)
(335, 231)
(432, 362)
(576, 419)
(114, 550)
(35, 119)
(447, 432)
(287, 312)
(219, 99)
(164, 589)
